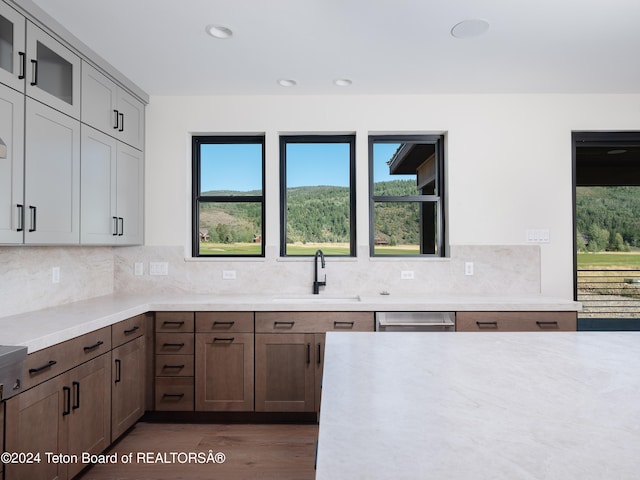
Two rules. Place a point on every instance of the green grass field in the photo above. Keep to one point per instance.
(208, 248)
(609, 260)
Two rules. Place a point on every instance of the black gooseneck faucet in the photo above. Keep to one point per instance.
(316, 283)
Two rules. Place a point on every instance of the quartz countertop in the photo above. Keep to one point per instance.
(42, 328)
(495, 406)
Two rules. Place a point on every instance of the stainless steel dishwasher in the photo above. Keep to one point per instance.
(415, 321)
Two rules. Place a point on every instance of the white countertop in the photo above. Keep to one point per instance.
(43, 328)
(495, 406)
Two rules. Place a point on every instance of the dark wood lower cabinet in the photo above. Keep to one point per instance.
(127, 385)
(516, 321)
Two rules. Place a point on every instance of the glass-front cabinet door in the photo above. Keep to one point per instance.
(12, 47)
(53, 72)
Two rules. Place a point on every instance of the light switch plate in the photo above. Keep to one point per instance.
(138, 269)
(158, 268)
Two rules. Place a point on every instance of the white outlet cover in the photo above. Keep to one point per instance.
(229, 274)
(158, 268)
(407, 275)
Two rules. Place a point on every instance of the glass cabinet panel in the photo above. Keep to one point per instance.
(6, 44)
(12, 54)
(54, 74)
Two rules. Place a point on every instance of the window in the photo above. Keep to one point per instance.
(317, 188)
(407, 195)
(228, 196)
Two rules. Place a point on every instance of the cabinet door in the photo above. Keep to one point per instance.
(224, 371)
(127, 386)
(53, 72)
(11, 165)
(12, 47)
(99, 100)
(37, 422)
(90, 419)
(99, 222)
(52, 173)
(319, 339)
(129, 195)
(130, 119)
(285, 373)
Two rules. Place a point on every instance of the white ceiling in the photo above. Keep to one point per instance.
(383, 46)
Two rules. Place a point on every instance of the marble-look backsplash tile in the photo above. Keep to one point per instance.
(26, 276)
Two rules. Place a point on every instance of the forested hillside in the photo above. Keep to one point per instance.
(608, 218)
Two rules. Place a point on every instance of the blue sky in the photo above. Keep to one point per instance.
(238, 167)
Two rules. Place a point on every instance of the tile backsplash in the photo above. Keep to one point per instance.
(86, 272)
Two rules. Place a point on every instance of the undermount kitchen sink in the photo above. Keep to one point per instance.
(317, 299)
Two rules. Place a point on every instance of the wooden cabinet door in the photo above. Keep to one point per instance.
(224, 371)
(52, 176)
(319, 339)
(90, 418)
(285, 372)
(37, 422)
(127, 386)
(12, 167)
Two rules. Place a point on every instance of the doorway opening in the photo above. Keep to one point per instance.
(606, 174)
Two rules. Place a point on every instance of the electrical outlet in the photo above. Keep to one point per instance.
(55, 275)
(468, 268)
(138, 269)
(228, 274)
(538, 235)
(158, 268)
(407, 275)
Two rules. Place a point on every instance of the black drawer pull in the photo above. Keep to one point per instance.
(223, 339)
(118, 371)
(552, 323)
(76, 401)
(129, 331)
(173, 345)
(308, 353)
(277, 324)
(50, 364)
(172, 395)
(177, 367)
(342, 324)
(224, 324)
(66, 409)
(93, 347)
(173, 322)
(319, 354)
(487, 324)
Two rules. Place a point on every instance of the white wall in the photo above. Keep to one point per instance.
(508, 160)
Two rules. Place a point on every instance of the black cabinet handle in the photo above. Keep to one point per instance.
(120, 226)
(343, 324)
(308, 353)
(121, 115)
(223, 324)
(173, 395)
(23, 58)
(173, 345)
(319, 353)
(76, 400)
(131, 330)
(277, 324)
(118, 371)
(66, 409)
(20, 218)
(177, 367)
(222, 339)
(551, 323)
(487, 324)
(115, 226)
(34, 72)
(94, 346)
(34, 212)
(49, 364)
(116, 118)
(173, 322)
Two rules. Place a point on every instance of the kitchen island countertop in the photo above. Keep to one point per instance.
(42, 328)
(500, 406)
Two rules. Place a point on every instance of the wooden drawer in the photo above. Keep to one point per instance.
(211, 322)
(313, 322)
(49, 362)
(175, 343)
(174, 393)
(174, 365)
(174, 322)
(516, 321)
(128, 329)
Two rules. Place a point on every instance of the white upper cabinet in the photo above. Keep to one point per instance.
(111, 109)
(52, 176)
(12, 47)
(11, 166)
(52, 72)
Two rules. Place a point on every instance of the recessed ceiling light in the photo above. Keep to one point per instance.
(342, 82)
(287, 82)
(218, 31)
(470, 28)
(616, 152)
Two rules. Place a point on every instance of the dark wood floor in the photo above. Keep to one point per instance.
(252, 452)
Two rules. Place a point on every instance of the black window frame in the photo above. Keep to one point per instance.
(196, 142)
(438, 199)
(329, 138)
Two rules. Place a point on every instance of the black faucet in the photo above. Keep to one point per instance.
(316, 283)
